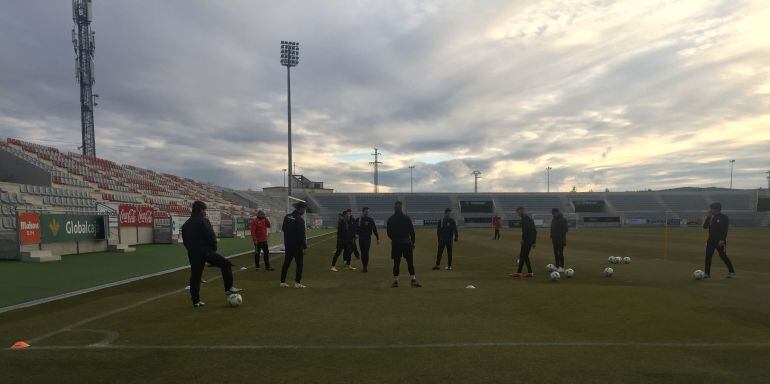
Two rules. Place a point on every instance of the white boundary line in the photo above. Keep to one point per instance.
(523, 344)
(117, 283)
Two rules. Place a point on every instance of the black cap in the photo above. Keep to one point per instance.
(717, 206)
(447, 210)
(300, 204)
(555, 211)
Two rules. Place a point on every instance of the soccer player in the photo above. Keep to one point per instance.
(295, 243)
(717, 223)
(366, 227)
(559, 229)
(201, 244)
(446, 230)
(344, 237)
(259, 228)
(401, 234)
(497, 223)
(528, 242)
(353, 235)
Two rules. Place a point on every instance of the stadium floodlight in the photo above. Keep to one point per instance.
(548, 171)
(376, 164)
(476, 176)
(411, 179)
(768, 180)
(289, 58)
(284, 177)
(732, 163)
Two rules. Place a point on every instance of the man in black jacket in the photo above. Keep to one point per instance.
(528, 241)
(446, 231)
(201, 243)
(401, 234)
(717, 223)
(295, 242)
(344, 239)
(366, 227)
(353, 235)
(559, 229)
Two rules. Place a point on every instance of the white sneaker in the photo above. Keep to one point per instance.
(560, 270)
(284, 285)
(232, 290)
(298, 285)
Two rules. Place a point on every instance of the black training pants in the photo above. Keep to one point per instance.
(198, 262)
(262, 246)
(497, 234)
(366, 245)
(714, 246)
(442, 243)
(558, 254)
(343, 247)
(298, 255)
(524, 257)
(398, 251)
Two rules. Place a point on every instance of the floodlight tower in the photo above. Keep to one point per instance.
(548, 171)
(376, 163)
(289, 58)
(476, 177)
(411, 179)
(732, 163)
(83, 42)
(768, 180)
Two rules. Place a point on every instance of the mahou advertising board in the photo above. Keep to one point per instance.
(134, 215)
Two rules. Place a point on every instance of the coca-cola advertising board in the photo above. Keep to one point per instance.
(134, 215)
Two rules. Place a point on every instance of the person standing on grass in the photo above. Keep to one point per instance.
(259, 228)
(497, 223)
(559, 229)
(295, 242)
(401, 234)
(201, 243)
(717, 223)
(446, 231)
(528, 242)
(344, 237)
(353, 235)
(366, 227)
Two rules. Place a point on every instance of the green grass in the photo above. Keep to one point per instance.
(21, 282)
(653, 300)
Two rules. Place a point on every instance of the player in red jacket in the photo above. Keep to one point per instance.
(497, 223)
(259, 228)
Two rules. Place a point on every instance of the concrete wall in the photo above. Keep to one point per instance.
(132, 236)
(61, 249)
(16, 170)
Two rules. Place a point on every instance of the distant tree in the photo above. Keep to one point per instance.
(591, 190)
(574, 189)
(606, 189)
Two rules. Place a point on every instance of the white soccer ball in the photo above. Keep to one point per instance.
(550, 267)
(626, 260)
(608, 272)
(611, 259)
(234, 300)
(569, 272)
(555, 276)
(698, 274)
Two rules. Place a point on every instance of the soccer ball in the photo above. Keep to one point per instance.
(608, 272)
(555, 276)
(611, 259)
(550, 267)
(569, 272)
(234, 300)
(626, 260)
(698, 275)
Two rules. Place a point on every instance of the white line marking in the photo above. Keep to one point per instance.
(117, 283)
(523, 344)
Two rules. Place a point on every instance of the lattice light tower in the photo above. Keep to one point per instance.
(376, 164)
(476, 177)
(83, 41)
(768, 180)
(289, 58)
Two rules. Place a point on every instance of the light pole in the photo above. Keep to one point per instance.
(732, 163)
(411, 179)
(548, 171)
(476, 176)
(289, 58)
(284, 177)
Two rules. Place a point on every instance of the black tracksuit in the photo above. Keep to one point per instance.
(344, 237)
(528, 239)
(201, 244)
(559, 229)
(717, 226)
(401, 233)
(446, 231)
(366, 227)
(295, 243)
(353, 233)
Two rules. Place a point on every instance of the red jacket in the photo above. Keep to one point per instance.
(497, 223)
(259, 229)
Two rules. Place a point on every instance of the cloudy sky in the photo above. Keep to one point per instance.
(623, 95)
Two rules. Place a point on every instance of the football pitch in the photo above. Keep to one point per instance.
(650, 322)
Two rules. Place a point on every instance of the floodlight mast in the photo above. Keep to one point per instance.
(476, 176)
(376, 163)
(411, 179)
(289, 58)
(83, 40)
(732, 163)
(548, 170)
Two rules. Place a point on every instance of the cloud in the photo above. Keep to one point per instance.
(622, 95)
